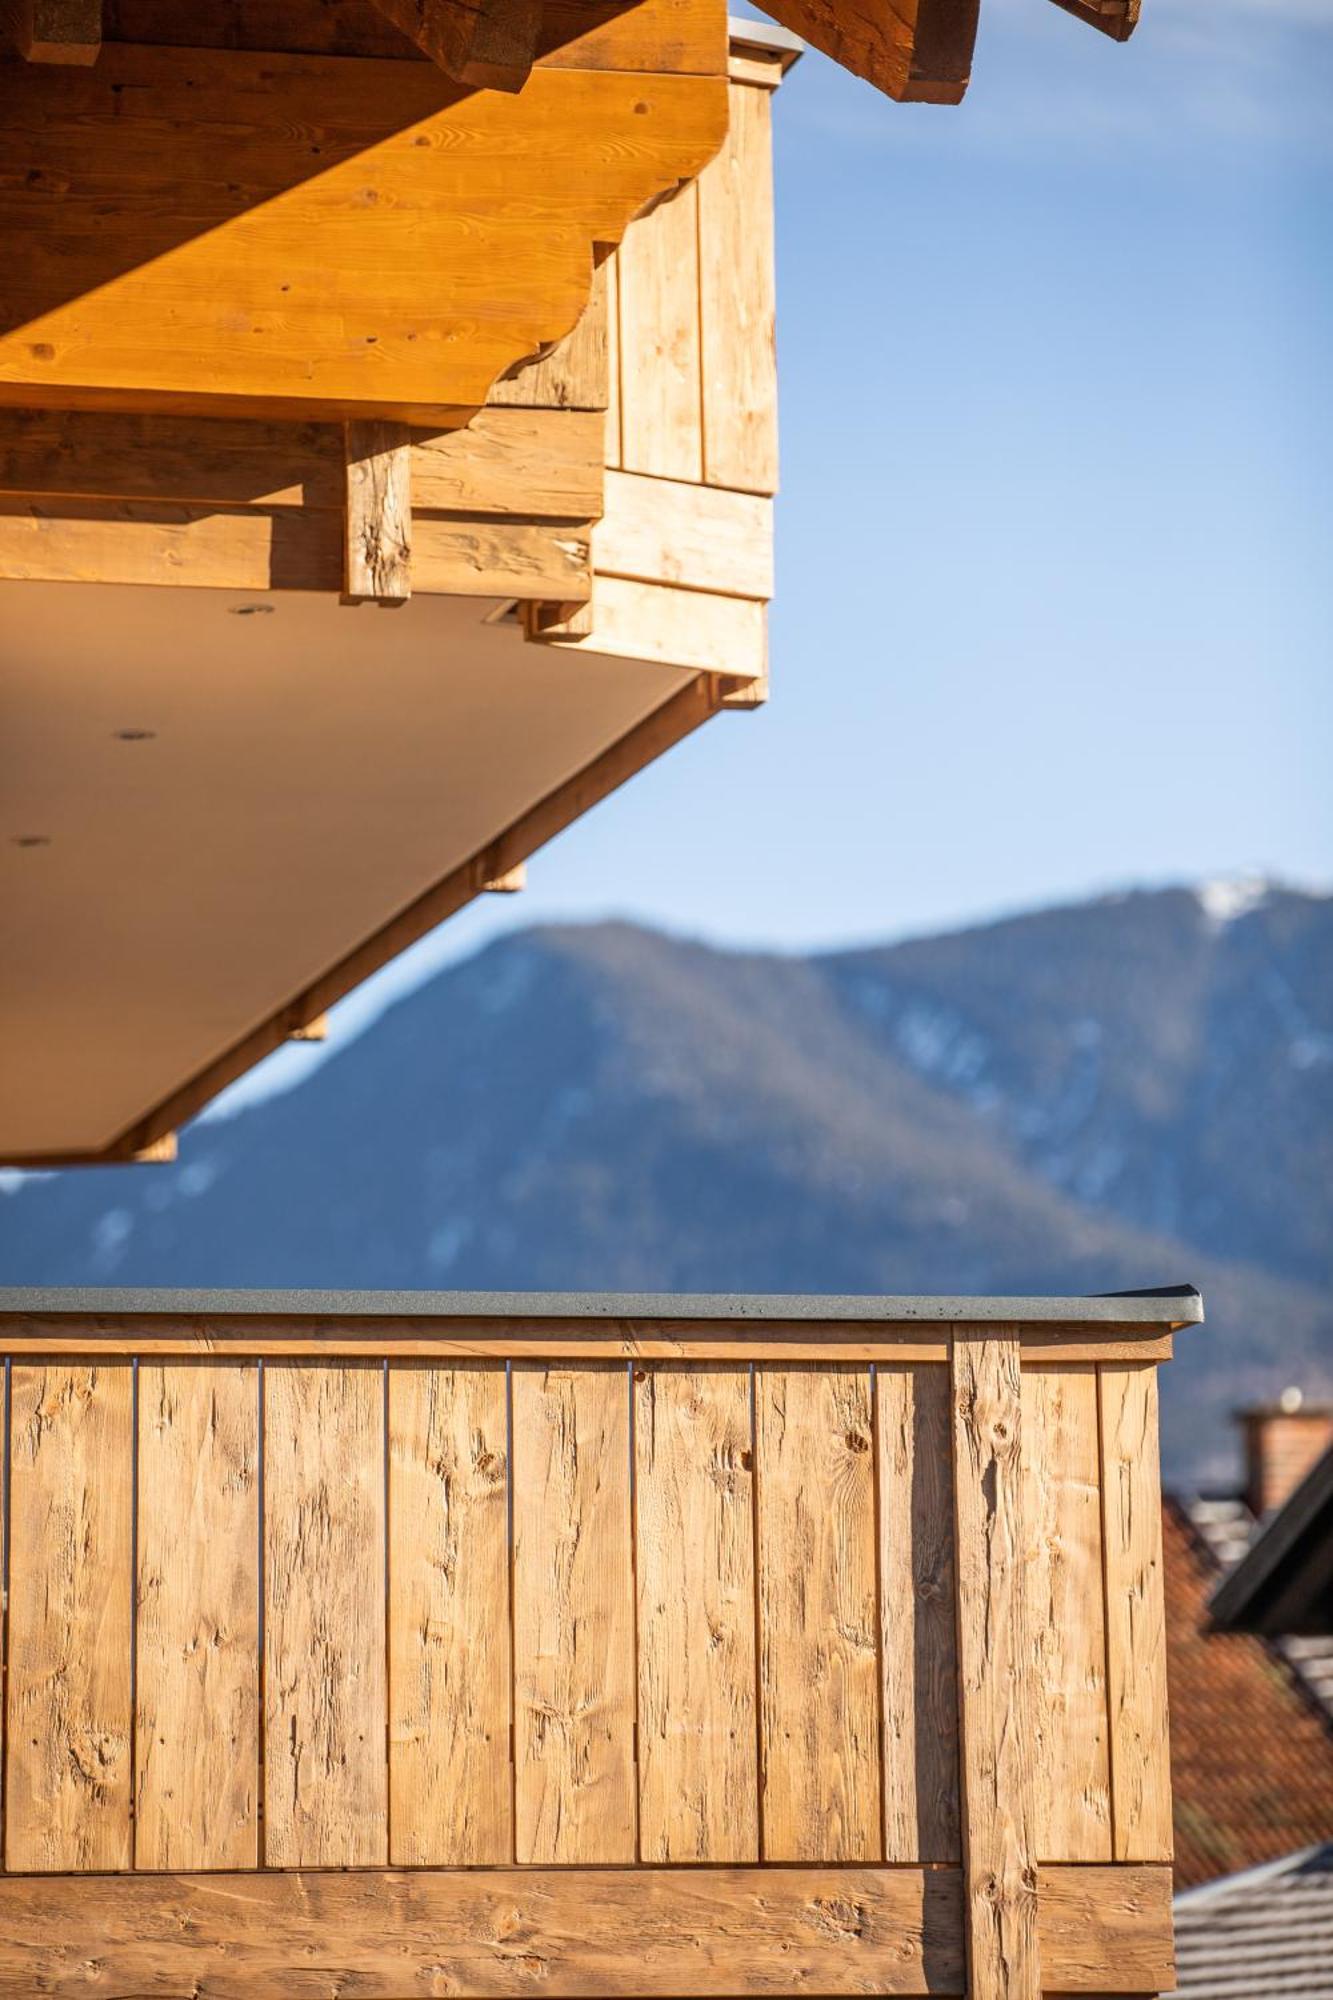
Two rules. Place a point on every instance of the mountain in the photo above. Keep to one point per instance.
(1132, 1091)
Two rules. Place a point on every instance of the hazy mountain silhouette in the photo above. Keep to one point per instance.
(1132, 1091)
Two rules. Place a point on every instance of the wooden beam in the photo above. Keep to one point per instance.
(378, 566)
(1116, 18)
(314, 1030)
(918, 51)
(995, 1720)
(54, 31)
(489, 44)
(510, 883)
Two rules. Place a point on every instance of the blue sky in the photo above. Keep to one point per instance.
(1055, 592)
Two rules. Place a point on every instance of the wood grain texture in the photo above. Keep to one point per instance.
(995, 1711)
(1135, 1614)
(571, 374)
(197, 1682)
(918, 51)
(494, 558)
(573, 1597)
(737, 304)
(68, 1771)
(611, 449)
(693, 629)
(694, 1558)
(819, 1663)
(490, 44)
(1066, 1623)
(660, 384)
(54, 31)
(537, 464)
(695, 537)
(378, 524)
(325, 1767)
(449, 1673)
(284, 274)
(654, 1932)
(113, 541)
(918, 1640)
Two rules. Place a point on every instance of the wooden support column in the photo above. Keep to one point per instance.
(995, 1727)
(54, 31)
(490, 44)
(1116, 18)
(379, 513)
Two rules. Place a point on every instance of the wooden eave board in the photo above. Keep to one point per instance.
(306, 776)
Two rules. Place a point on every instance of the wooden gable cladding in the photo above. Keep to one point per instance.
(515, 1616)
(221, 231)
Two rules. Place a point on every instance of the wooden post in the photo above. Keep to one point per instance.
(995, 1734)
(379, 513)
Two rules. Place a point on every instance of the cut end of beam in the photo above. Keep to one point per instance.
(158, 1153)
(314, 1030)
(1116, 18)
(509, 883)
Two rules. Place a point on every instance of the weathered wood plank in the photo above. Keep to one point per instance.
(736, 302)
(325, 1767)
(1066, 1624)
(654, 1932)
(495, 558)
(693, 629)
(698, 1747)
(573, 1596)
(54, 31)
(917, 1613)
(819, 1655)
(696, 537)
(995, 1714)
(1135, 1614)
(104, 541)
(449, 1678)
(538, 464)
(377, 566)
(197, 1733)
(68, 1775)
(489, 44)
(611, 450)
(918, 51)
(658, 284)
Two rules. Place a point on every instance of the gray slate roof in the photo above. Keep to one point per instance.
(1263, 1935)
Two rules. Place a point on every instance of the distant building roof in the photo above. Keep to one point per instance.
(1284, 1581)
(1266, 1934)
(1251, 1742)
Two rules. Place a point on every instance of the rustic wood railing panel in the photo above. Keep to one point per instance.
(197, 1616)
(551, 1625)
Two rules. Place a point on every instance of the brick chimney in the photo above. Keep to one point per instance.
(1282, 1442)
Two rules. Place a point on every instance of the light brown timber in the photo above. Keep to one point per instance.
(1135, 1614)
(1066, 1623)
(68, 1764)
(695, 537)
(573, 1611)
(660, 388)
(693, 629)
(918, 1640)
(694, 1559)
(197, 1680)
(572, 373)
(378, 523)
(493, 558)
(736, 302)
(818, 1645)
(325, 1771)
(655, 1932)
(449, 1769)
(54, 31)
(995, 1718)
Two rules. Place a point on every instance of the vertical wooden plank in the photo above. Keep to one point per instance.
(1062, 1518)
(736, 301)
(68, 1773)
(325, 1767)
(698, 1751)
(612, 279)
(819, 1656)
(917, 1613)
(573, 1615)
(197, 1735)
(450, 1778)
(660, 412)
(378, 546)
(1135, 1613)
(995, 1730)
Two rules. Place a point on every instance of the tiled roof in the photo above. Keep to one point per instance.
(1227, 1528)
(1263, 1935)
(1251, 1752)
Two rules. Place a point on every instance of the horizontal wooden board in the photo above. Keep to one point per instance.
(476, 1934)
(294, 262)
(697, 537)
(114, 541)
(669, 1340)
(491, 558)
(538, 464)
(683, 628)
